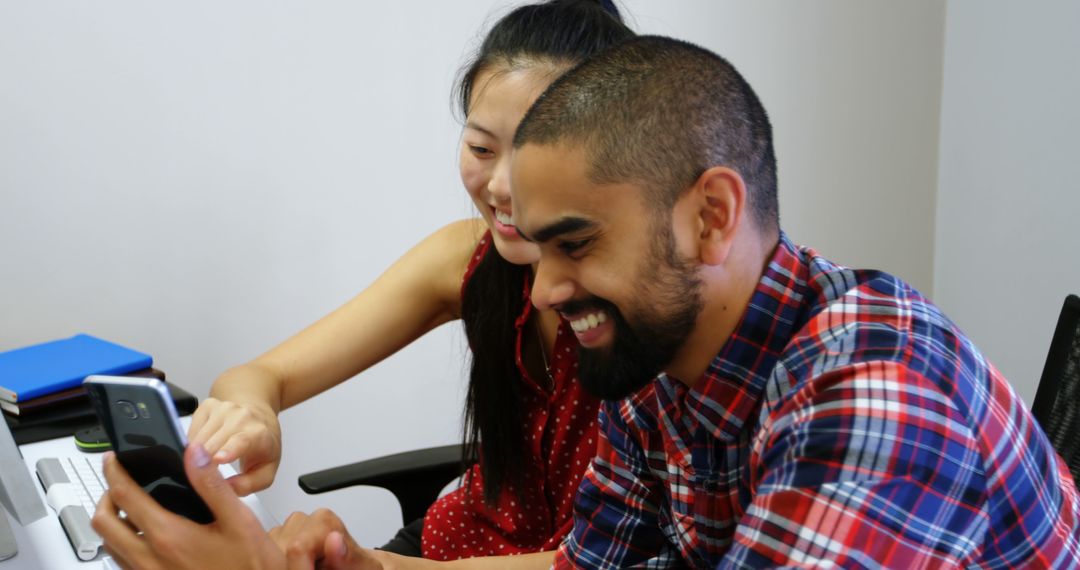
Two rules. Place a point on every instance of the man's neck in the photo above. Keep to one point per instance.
(727, 291)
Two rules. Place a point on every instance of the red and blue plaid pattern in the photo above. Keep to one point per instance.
(848, 423)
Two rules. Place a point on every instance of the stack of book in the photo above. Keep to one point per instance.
(44, 376)
(41, 390)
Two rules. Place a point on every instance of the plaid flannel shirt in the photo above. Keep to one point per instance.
(846, 422)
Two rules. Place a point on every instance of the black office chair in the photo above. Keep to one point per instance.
(1057, 401)
(414, 477)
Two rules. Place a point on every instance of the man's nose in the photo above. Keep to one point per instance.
(552, 286)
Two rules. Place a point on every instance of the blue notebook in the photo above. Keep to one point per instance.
(49, 367)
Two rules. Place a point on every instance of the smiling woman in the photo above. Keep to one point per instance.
(530, 428)
(499, 100)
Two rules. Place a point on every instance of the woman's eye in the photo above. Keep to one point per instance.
(481, 151)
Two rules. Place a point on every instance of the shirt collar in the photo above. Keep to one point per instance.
(730, 389)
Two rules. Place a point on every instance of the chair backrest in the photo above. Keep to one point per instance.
(1057, 401)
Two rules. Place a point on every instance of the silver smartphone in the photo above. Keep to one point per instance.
(141, 421)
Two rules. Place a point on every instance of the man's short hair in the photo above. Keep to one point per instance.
(659, 112)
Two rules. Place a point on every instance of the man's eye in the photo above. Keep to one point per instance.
(480, 151)
(573, 246)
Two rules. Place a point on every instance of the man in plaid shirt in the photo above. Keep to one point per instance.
(765, 407)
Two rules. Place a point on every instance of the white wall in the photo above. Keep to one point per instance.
(201, 180)
(853, 91)
(1008, 249)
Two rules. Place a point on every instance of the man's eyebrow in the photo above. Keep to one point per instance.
(565, 225)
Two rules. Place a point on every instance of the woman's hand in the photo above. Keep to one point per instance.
(246, 431)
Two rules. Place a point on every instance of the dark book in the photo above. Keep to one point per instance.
(65, 420)
(71, 396)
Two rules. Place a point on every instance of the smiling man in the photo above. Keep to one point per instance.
(765, 407)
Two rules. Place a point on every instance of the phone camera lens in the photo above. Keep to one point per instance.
(127, 409)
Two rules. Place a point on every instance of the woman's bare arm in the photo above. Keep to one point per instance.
(416, 294)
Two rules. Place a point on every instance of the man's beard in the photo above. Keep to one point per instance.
(666, 312)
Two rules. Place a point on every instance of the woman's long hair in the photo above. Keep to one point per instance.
(560, 32)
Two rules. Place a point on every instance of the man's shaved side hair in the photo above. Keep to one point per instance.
(658, 112)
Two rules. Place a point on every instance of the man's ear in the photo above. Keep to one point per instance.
(722, 199)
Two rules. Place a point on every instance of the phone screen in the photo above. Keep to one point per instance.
(140, 419)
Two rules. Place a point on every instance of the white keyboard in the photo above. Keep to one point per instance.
(73, 485)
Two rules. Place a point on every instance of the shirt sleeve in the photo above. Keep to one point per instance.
(617, 506)
(868, 465)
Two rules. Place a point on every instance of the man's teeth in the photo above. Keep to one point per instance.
(503, 218)
(592, 320)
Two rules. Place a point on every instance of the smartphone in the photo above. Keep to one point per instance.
(140, 421)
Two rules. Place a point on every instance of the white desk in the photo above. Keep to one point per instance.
(43, 544)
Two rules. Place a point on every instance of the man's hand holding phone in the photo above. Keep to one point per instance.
(180, 511)
(140, 419)
(152, 537)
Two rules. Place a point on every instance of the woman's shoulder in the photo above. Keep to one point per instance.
(461, 235)
(465, 232)
(455, 242)
(446, 253)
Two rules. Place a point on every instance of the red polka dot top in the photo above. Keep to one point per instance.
(560, 428)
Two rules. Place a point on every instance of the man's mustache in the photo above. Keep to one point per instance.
(588, 304)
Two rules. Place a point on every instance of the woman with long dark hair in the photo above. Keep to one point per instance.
(529, 427)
